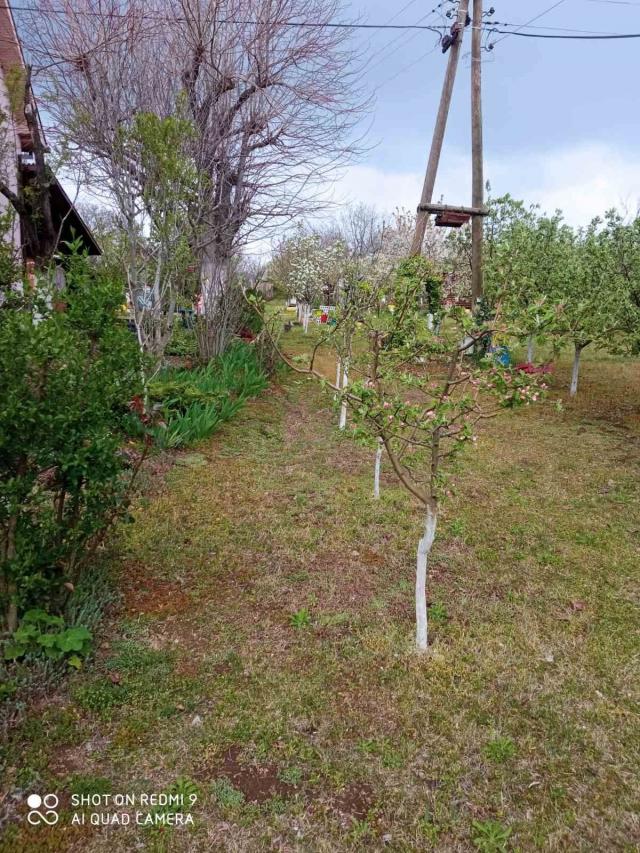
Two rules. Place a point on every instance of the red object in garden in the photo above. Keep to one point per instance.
(246, 334)
(324, 317)
(528, 367)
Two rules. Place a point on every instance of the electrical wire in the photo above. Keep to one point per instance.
(616, 2)
(418, 26)
(534, 19)
(397, 38)
(565, 37)
(406, 68)
(342, 25)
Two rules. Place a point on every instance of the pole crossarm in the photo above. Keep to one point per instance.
(448, 208)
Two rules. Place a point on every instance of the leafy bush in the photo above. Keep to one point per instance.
(183, 342)
(66, 378)
(194, 403)
(420, 270)
(39, 632)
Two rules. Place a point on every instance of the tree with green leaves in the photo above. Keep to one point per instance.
(417, 393)
(158, 186)
(596, 299)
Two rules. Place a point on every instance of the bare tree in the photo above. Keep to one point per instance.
(270, 86)
(362, 230)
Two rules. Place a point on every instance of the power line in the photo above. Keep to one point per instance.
(616, 2)
(406, 68)
(398, 38)
(417, 27)
(555, 29)
(565, 37)
(534, 19)
(342, 25)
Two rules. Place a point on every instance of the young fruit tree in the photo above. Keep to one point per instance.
(420, 394)
(159, 232)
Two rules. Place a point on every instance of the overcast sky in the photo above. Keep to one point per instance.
(560, 117)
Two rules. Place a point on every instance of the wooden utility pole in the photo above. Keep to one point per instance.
(439, 130)
(477, 179)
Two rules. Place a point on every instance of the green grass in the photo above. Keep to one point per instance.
(268, 636)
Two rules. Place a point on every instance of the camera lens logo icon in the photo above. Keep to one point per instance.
(42, 809)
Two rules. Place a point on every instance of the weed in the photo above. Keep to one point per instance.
(276, 806)
(438, 613)
(82, 785)
(186, 791)
(490, 836)
(500, 749)
(100, 696)
(457, 528)
(300, 619)
(41, 633)
(428, 828)
(361, 829)
(226, 795)
(291, 775)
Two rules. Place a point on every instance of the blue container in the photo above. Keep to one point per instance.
(502, 355)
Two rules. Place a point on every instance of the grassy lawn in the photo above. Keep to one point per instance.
(262, 660)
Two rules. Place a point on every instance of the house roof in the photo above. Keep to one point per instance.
(66, 217)
(68, 221)
(11, 57)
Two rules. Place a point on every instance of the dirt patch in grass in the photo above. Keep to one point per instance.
(354, 803)
(141, 596)
(258, 782)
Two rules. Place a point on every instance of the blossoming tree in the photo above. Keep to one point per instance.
(311, 267)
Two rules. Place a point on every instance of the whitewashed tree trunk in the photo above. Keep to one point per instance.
(338, 375)
(376, 472)
(575, 372)
(343, 407)
(424, 549)
(530, 348)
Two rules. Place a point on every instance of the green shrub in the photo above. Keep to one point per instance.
(66, 378)
(194, 403)
(183, 342)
